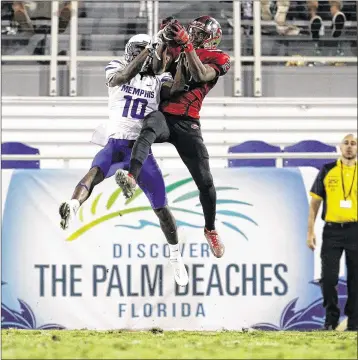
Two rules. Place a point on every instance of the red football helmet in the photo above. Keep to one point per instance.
(205, 32)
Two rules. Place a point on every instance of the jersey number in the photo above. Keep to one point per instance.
(135, 104)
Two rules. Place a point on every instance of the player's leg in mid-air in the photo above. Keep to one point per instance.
(101, 165)
(188, 141)
(152, 183)
(154, 130)
(193, 152)
(106, 163)
(144, 170)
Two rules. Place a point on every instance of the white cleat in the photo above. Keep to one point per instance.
(126, 183)
(68, 212)
(180, 273)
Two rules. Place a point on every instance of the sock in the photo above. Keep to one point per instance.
(208, 202)
(174, 251)
(167, 224)
(75, 204)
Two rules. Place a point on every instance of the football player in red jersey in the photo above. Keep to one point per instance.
(192, 56)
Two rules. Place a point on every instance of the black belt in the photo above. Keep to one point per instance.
(345, 225)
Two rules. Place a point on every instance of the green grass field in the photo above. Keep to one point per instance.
(47, 344)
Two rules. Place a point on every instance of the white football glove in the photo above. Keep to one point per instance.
(158, 38)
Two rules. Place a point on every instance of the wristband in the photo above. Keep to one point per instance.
(188, 47)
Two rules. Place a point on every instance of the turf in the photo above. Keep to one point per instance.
(35, 344)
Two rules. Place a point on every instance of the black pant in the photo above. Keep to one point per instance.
(185, 134)
(337, 238)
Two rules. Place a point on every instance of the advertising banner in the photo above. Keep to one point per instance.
(110, 269)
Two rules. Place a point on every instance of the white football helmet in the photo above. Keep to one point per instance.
(135, 46)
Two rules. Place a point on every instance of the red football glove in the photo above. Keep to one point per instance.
(180, 35)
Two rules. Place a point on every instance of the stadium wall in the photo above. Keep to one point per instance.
(277, 81)
(64, 125)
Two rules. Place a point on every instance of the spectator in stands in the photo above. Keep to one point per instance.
(25, 10)
(280, 17)
(6, 10)
(325, 10)
(318, 10)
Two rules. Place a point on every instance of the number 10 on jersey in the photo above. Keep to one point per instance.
(136, 107)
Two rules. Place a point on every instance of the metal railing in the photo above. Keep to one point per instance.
(152, 9)
(225, 101)
(69, 121)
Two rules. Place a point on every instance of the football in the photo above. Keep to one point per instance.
(168, 36)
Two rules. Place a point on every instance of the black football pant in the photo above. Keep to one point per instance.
(185, 134)
(336, 238)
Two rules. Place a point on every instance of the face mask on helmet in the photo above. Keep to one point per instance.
(197, 36)
(205, 32)
(135, 46)
(133, 50)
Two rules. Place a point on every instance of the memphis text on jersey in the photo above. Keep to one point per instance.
(132, 90)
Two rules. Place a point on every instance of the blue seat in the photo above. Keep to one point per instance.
(253, 147)
(16, 148)
(308, 146)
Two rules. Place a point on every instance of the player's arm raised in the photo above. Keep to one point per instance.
(199, 71)
(130, 71)
(160, 57)
(165, 91)
(172, 87)
(180, 77)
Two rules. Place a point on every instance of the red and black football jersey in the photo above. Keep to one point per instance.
(189, 103)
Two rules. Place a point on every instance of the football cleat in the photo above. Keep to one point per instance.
(180, 273)
(126, 182)
(67, 212)
(216, 245)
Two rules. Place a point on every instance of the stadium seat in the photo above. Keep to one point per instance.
(12, 148)
(308, 146)
(253, 147)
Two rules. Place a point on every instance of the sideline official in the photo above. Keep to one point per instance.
(336, 187)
